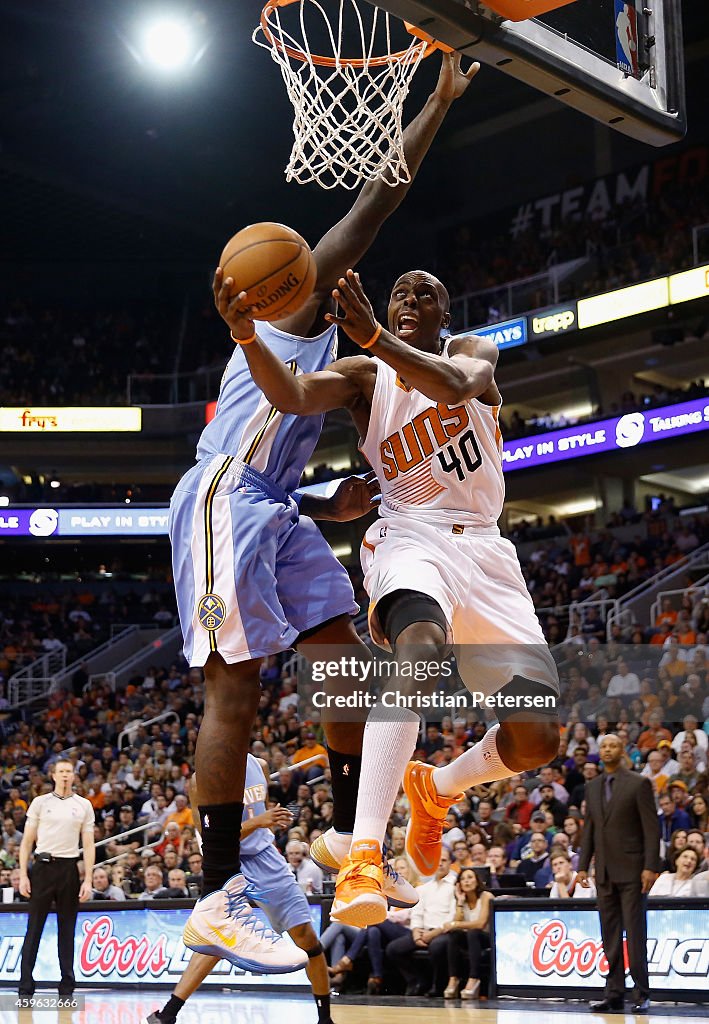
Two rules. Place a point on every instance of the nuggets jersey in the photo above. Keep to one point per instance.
(435, 462)
(248, 427)
(255, 793)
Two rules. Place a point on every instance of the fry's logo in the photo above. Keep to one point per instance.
(101, 952)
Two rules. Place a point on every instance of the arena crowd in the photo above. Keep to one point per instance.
(647, 682)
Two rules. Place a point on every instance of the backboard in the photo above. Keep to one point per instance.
(619, 61)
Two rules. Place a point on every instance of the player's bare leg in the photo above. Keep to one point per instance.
(344, 740)
(199, 967)
(512, 746)
(231, 699)
(343, 735)
(517, 744)
(304, 936)
(389, 741)
(223, 923)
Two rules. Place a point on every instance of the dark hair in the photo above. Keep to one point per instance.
(579, 825)
(684, 850)
(503, 834)
(474, 827)
(672, 851)
(480, 885)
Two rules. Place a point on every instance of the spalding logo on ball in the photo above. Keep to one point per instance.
(274, 266)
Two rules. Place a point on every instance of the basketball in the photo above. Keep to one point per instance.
(274, 265)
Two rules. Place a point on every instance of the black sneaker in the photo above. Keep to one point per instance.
(157, 1018)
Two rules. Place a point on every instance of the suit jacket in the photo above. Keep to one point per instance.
(624, 835)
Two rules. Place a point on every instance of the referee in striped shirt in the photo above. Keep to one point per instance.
(55, 821)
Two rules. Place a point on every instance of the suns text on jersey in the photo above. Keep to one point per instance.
(420, 437)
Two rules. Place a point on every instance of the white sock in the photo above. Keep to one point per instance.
(482, 763)
(339, 843)
(389, 741)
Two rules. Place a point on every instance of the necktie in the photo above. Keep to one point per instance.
(610, 779)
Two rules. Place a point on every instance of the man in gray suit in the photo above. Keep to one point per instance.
(622, 833)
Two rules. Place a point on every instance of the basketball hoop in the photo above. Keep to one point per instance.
(347, 126)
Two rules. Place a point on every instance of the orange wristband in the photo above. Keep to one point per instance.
(246, 341)
(375, 337)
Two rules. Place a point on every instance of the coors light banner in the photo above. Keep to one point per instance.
(131, 946)
(561, 949)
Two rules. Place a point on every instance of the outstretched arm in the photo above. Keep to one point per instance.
(468, 373)
(346, 243)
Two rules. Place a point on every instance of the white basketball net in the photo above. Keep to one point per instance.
(347, 126)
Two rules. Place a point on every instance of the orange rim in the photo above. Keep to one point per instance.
(332, 62)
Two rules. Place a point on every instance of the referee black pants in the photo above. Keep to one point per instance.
(55, 882)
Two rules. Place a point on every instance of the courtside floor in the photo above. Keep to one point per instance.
(125, 1007)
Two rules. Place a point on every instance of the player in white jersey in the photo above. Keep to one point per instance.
(437, 569)
(253, 575)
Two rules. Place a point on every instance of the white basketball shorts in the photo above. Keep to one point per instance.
(475, 576)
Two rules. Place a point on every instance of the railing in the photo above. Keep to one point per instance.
(598, 601)
(123, 628)
(148, 825)
(130, 832)
(120, 636)
(34, 679)
(155, 644)
(700, 585)
(101, 677)
(640, 598)
(558, 611)
(500, 302)
(137, 724)
(130, 644)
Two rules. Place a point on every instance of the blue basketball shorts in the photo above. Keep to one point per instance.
(250, 573)
(284, 904)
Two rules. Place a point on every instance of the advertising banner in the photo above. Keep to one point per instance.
(132, 946)
(83, 522)
(547, 323)
(628, 431)
(690, 284)
(70, 420)
(623, 302)
(124, 522)
(562, 949)
(508, 334)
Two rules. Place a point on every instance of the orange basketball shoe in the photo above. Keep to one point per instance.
(359, 897)
(428, 812)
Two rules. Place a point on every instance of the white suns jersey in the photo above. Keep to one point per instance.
(435, 462)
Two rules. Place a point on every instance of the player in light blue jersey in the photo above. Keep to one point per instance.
(254, 576)
(284, 902)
